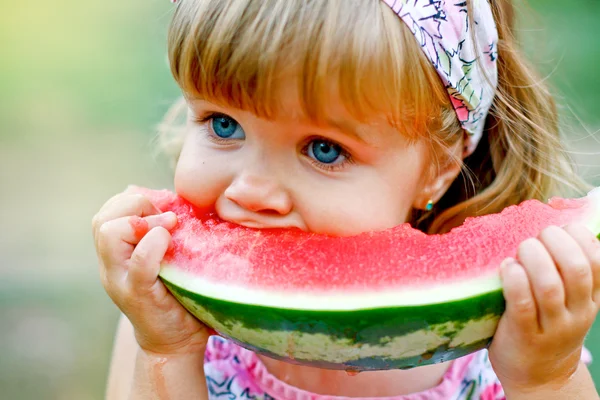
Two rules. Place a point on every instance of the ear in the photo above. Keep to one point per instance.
(442, 171)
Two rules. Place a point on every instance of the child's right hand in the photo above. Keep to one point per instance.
(131, 237)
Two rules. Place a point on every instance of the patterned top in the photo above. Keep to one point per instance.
(234, 373)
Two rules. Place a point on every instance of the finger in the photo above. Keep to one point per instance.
(117, 238)
(123, 205)
(131, 229)
(132, 189)
(129, 190)
(546, 283)
(590, 245)
(520, 303)
(572, 263)
(144, 264)
(126, 204)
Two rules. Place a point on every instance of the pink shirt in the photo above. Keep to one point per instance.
(234, 373)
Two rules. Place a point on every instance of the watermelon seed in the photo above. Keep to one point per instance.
(352, 372)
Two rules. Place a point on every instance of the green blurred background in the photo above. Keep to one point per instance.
(82, 86)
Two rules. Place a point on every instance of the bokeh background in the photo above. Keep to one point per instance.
(82, 87)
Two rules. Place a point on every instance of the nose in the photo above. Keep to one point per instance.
(260, 194)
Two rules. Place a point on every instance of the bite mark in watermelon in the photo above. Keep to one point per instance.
(380, 300)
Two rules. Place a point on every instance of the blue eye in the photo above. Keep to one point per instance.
(325, 152)
(227, 128)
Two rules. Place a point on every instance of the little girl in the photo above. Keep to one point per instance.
(340, 117)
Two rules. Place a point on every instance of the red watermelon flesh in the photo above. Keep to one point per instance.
(401, 257)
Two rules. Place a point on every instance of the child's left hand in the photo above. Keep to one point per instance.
(552, 296)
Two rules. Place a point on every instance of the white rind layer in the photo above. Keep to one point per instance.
(443, 293)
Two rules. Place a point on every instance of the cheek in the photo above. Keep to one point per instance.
(374, 198)
(200, 178)
(351, 209)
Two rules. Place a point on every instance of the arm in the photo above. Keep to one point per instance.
(136, 374)
(122, 364)
(579, 386)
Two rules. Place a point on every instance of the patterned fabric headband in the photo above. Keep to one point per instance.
(463, 52)
(462, 48)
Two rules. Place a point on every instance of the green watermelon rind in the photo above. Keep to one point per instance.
(365, 339)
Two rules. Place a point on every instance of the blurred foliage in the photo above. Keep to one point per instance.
(82, 86)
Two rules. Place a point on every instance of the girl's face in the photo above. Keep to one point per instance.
(340, 179)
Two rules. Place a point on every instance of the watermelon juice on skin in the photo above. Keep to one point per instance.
(397, 298)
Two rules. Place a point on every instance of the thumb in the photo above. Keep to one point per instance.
(144, 264)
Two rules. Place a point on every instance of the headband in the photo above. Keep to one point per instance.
(462, 48)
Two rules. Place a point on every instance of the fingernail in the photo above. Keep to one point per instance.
(507, 262)
(132, 189)
(169, 216)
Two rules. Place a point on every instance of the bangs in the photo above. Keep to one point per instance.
(357, 53)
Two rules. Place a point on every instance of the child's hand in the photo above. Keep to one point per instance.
(552, 296)
(131, 237)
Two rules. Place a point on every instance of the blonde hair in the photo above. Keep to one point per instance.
(238, 52)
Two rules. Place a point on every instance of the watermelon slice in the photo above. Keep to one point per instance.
(380, 300)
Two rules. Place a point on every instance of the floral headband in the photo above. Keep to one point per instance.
(462, 48)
